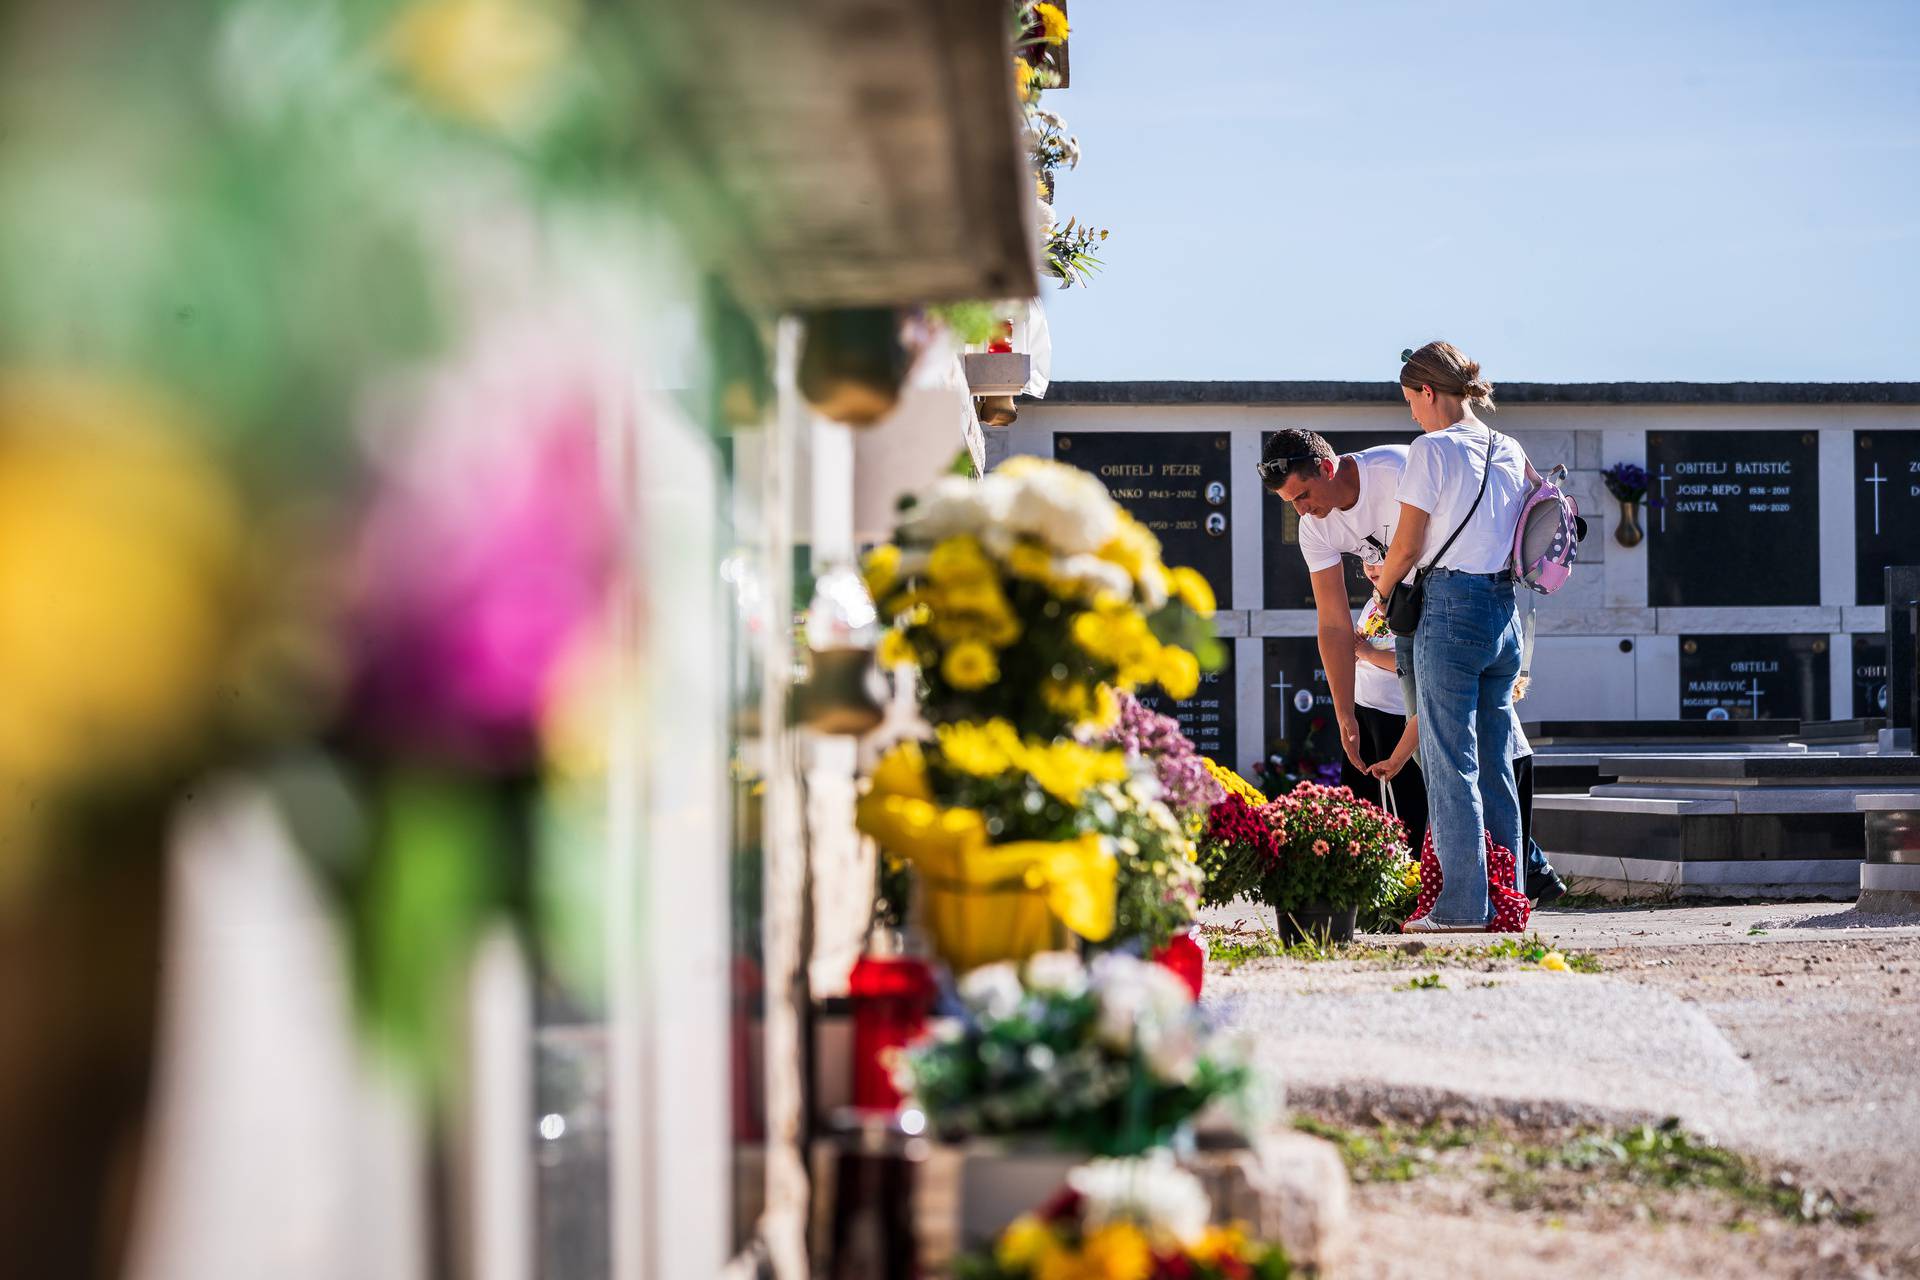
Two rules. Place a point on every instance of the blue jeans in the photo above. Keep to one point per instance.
(1466, 656)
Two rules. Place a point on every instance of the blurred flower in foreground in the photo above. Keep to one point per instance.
(484, 61)
(120, 561)
(476, 580)
(1555, 961)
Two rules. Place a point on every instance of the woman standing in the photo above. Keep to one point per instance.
(1460, 500)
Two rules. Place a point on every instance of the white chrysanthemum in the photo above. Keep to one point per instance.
(1139, 1002)
(1174, 1055)
(1150, 1191)
(1067, 509)
(1094, 574)
(954, 505)
(1056, 973)
(993, 991)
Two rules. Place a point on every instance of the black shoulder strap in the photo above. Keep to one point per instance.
(1484, 473)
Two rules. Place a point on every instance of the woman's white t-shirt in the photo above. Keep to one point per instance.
(1442, 477)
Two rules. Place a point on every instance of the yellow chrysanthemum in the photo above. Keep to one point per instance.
(959, 561)
(970, 665)
(1106, 711)
(984, 750)
(1221, 1244)
(481, 60)
(1023, 78)
(1067, 770)
(1117, 1251)
(1237, 785)
(1023, 1242)
(1053, 22)
(902, 771)
(1193, 590)
(881, 570)
(896, 650)
(1178, 672)
(1065, 697)
(1030, 561)
(120, 562)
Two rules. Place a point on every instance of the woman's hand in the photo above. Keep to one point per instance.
(1392, 765)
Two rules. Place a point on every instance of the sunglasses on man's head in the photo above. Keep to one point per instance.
(1274, 473)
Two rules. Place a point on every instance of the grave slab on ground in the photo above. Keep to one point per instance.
(1718, 825)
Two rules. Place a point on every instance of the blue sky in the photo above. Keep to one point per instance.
(1571, 192)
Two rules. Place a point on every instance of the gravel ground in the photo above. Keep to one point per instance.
(1789, 1031)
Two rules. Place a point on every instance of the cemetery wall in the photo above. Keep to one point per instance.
(1755, 592)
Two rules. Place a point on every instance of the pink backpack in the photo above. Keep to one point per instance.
(1547, 539)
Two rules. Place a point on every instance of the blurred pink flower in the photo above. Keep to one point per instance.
(473, 578)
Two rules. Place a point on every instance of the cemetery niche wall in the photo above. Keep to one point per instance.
(1886, 508)
(1786, 502)
(1301, 739)
(1754, 677)
(1178, 484)
(1739, 518)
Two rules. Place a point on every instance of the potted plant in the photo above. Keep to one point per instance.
(1337, 854)
(1239, 847)
(1627, 482)
(1145, 1218)
(1054, 1059)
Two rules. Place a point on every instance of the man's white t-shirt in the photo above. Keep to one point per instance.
(1442, 477)
(1324, 539)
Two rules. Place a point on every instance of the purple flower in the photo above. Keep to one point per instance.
(1184, 780)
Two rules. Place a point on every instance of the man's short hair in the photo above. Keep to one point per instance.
(1302, 451)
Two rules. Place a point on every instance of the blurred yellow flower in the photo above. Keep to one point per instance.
(1106, 711)
(1219, 1244)
(1022, 1243)
(1023, 78)
(970, 665)
(1555, 961)
(1030, 561)
(1193, 590)
(959, 561)
(881, 570)
(1117, 1251)
(896, 650)
(1178, 672)
(1065, 697)
(902, 771)
(983, 750)
(120, 559)
(1053, 22)
(1067, 770)
(483, 61)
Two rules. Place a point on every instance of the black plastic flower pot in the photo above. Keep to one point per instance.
(1317, 923)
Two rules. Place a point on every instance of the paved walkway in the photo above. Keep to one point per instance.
(1786, 1028)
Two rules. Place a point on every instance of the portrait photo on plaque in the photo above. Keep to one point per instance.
(1284, 577)
(1177, 483)
(1755, 677)
(1733, 518)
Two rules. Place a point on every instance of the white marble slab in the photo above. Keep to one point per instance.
(1748, 621)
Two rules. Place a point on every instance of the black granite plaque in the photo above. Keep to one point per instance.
(1177, 483)
(1902, 591)
(1210, 716)
(1886, 508)
(1739, 522)
(1755, 677)
(1301, 735)
(1869, 676)
(1287, 583)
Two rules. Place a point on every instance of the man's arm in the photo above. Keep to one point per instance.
(1336, 653)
